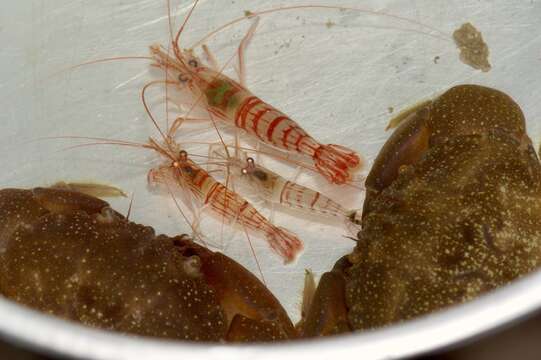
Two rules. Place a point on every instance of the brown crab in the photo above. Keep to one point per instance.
(70, 255)
(452, 210)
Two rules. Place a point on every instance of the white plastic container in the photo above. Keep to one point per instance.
(338, 73)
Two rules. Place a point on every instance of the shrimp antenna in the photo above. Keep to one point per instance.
(254, 254)
(165, 85)
(102, 140)
(154, 145)
(169, 21)
(98, 61)
(110, 59)
(251, 14)
(147, 108)
(176, 41)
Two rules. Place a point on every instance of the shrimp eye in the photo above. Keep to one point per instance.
(183, 155)
(183, 78)
(251, 163)
(193, 63)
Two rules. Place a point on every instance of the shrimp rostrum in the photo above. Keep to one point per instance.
(233, 103)
(70, 255)
(452, 211)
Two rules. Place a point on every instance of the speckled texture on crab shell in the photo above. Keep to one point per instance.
(473, 109)
(461, 221)
(103, 271)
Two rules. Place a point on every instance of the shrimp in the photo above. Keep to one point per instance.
(234, 104)
(275, 189)
(185, 176)
(182, 172)
(231, 101)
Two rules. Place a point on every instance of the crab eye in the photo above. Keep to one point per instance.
(244, 171)
(193, 63)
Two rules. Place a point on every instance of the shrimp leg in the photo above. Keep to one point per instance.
(241, 69)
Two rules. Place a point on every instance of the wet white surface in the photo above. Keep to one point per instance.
(337, 73)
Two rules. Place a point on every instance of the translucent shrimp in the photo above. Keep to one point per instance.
(275, 189)
(183, 173)
(231, 102)
(234, 104)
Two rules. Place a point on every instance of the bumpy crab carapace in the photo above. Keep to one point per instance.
(452, 210)
(71, 255)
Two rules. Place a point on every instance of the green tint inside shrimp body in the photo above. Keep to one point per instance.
(221, 94)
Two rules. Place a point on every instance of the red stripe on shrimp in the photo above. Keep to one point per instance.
(255, 121)
(291, 132)
(285, 191)
(273, 126)
(298, 142)
(286, 135)
(244, 110)
(200, 177)
(243, 207)
(215, 187)
(315, 200)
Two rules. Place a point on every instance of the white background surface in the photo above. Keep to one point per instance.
(337, 81)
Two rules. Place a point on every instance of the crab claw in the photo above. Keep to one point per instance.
(247, 303)
(327, 314)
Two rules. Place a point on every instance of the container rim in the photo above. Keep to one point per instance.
(44, 333)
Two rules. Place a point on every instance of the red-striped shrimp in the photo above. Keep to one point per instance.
(233, 103)
(232, 208)
(275, 189)
(183, 175)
